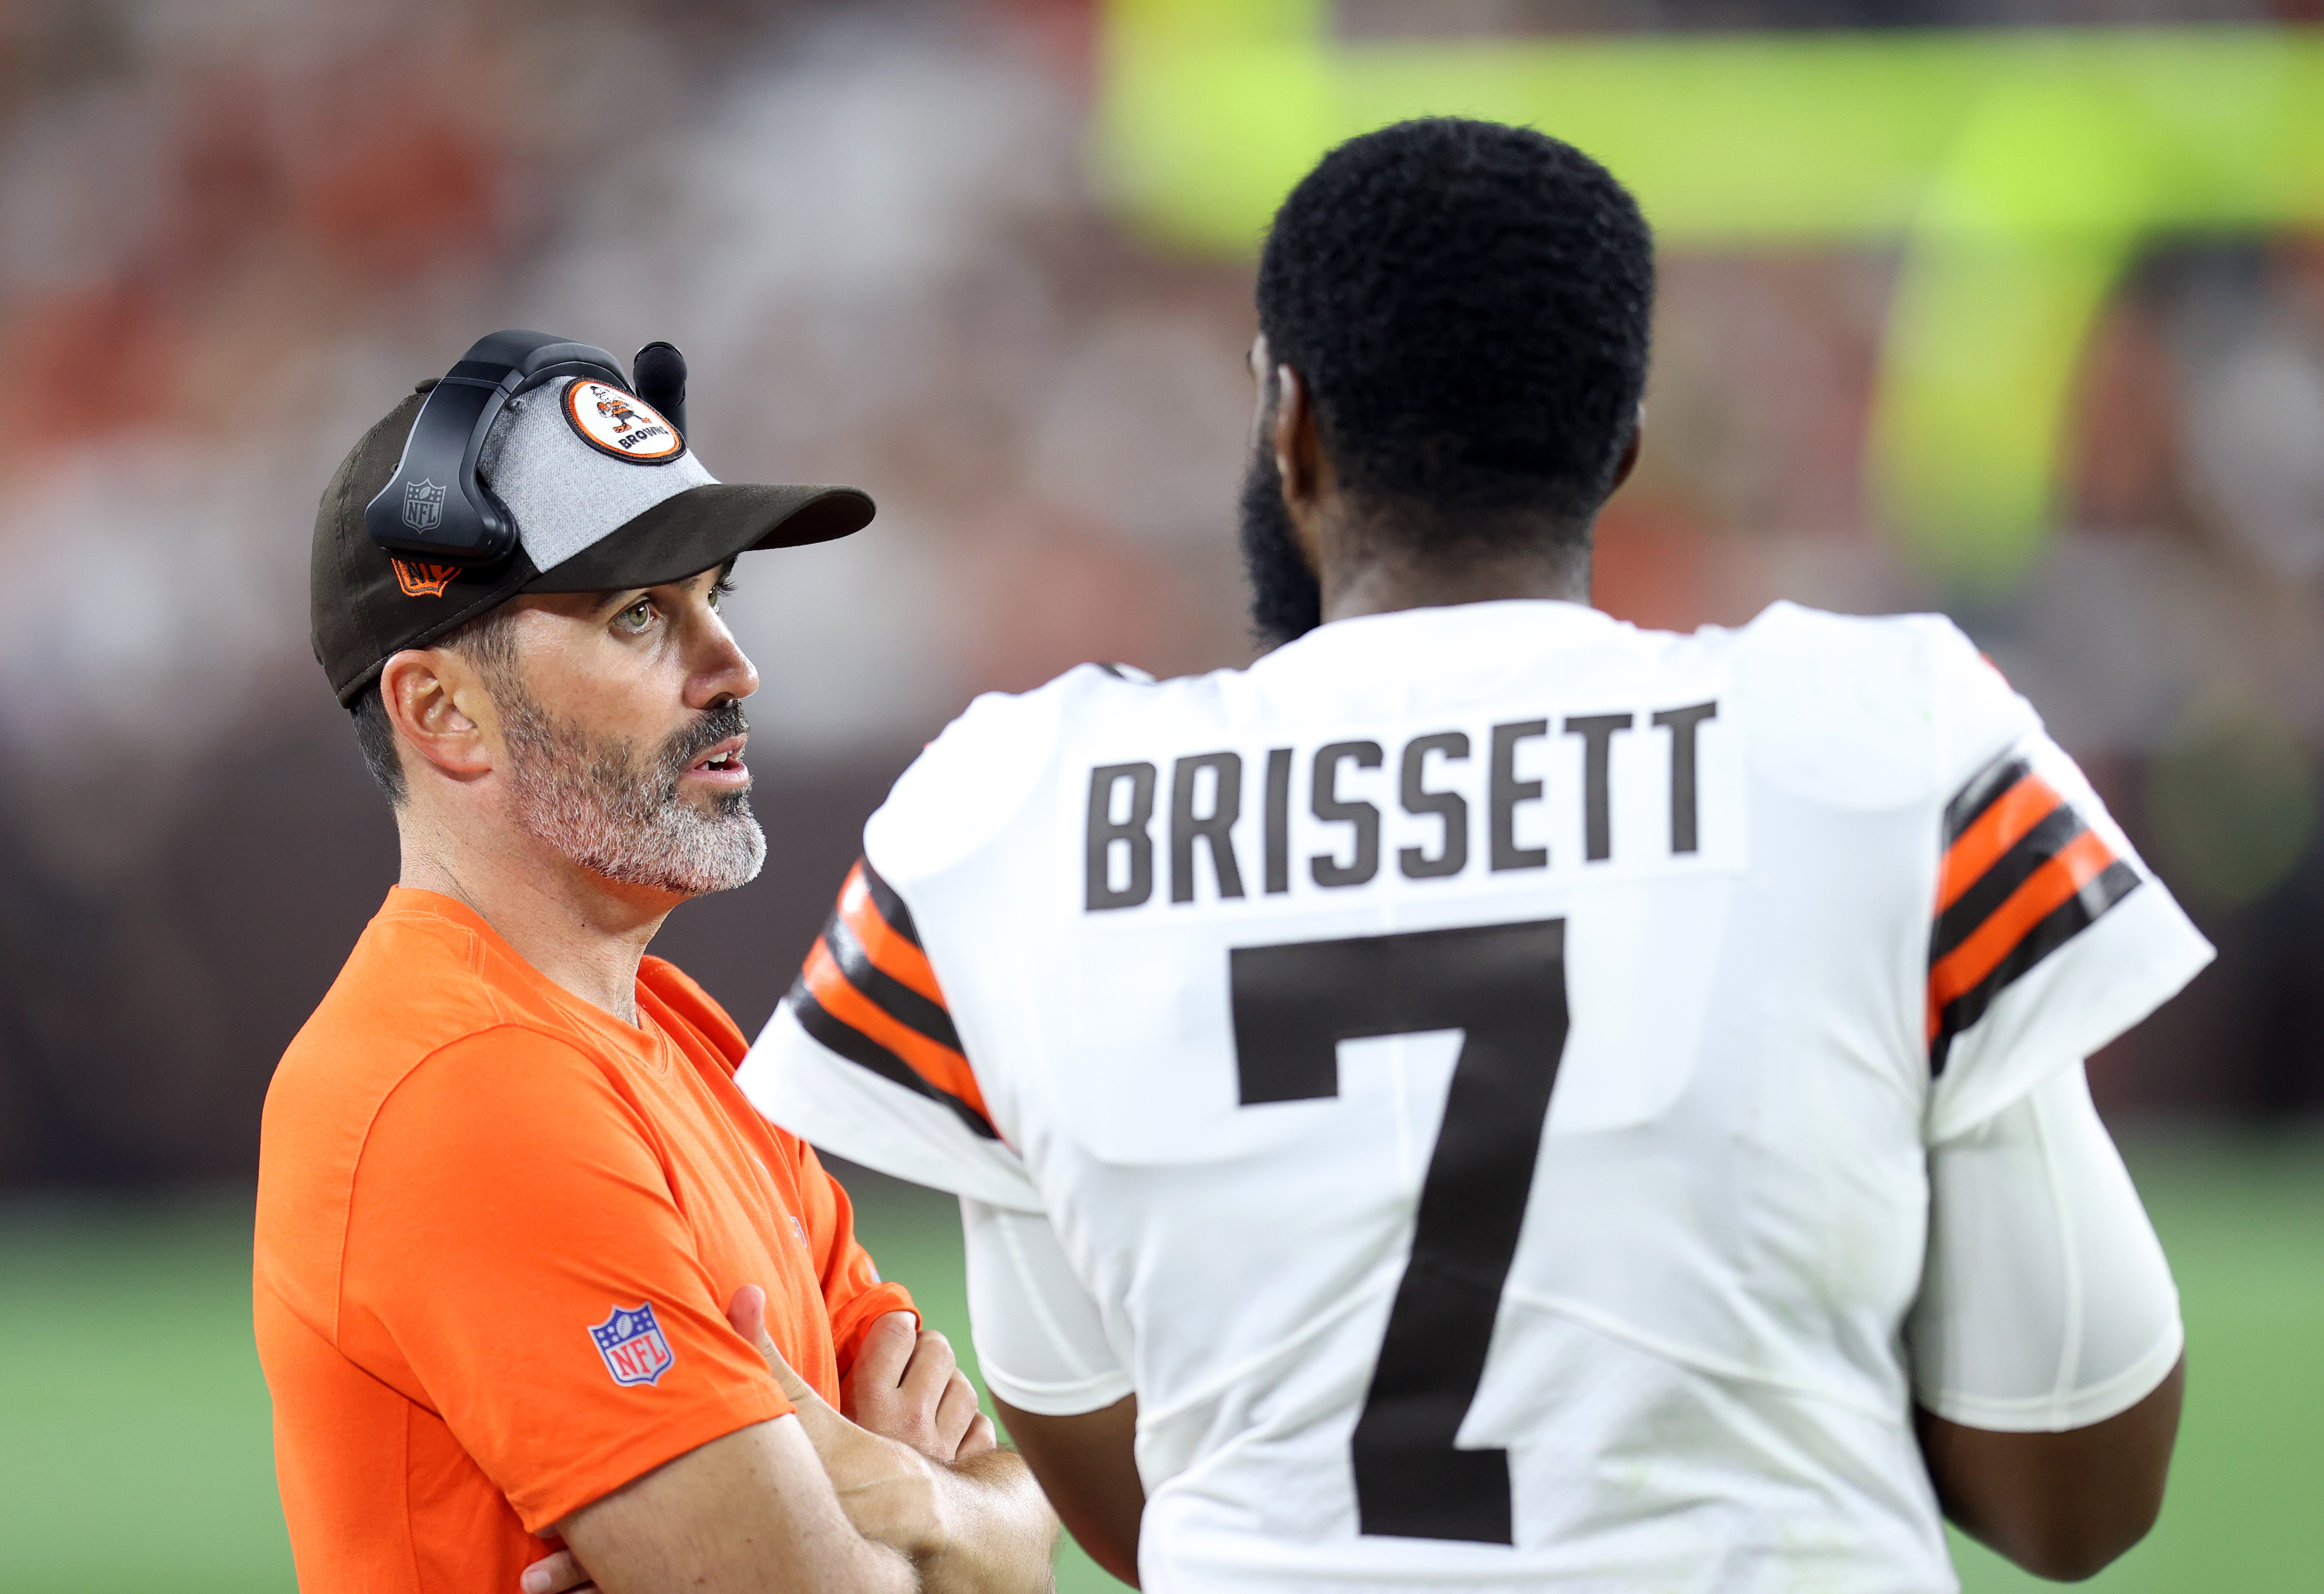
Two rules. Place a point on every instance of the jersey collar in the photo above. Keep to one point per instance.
(1363, 636)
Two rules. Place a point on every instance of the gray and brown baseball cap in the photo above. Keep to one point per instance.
(589, 518)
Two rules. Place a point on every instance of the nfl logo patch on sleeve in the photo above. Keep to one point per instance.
(632, 1345)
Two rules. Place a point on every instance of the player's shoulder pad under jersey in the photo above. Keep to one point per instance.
(972, 781)
(1872, 712)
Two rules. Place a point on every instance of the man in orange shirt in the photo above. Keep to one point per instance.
(517, 1231)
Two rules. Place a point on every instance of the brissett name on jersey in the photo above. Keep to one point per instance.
(1206, 804)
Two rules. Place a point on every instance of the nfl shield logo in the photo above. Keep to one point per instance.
(632, 1343)
(423, 505)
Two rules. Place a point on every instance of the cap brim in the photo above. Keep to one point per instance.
(704, 527)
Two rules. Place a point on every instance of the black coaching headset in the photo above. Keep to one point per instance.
(434, 506)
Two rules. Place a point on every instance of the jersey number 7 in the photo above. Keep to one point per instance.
(1503, 986)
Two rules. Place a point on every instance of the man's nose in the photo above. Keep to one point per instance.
(726, 674)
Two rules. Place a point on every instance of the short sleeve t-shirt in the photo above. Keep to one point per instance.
(497, 1231)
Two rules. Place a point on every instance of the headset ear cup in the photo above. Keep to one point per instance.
(415, 513)
(660, 372)
(500, 524)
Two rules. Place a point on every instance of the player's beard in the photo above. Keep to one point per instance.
(1285, 601)
(620, 816)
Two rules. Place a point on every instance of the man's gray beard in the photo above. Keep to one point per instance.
(621, 817)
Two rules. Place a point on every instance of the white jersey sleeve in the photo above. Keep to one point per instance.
(1041, 1340)
(864, 1056)
(2046, 1302)
(2048, 936)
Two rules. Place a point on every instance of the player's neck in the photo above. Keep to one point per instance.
(1384, 582)
(579, 930)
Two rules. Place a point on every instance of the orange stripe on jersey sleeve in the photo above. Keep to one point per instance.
(1991, 836)
(890, 952)
(940, 1066)
(2049, 888)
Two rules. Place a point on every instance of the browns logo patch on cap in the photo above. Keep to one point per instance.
(620, 424)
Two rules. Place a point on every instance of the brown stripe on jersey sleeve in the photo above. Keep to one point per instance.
(2023, 874)
(868, 993)
(1984, 790)
(879, 922)
(890, 906)
(925, 1014)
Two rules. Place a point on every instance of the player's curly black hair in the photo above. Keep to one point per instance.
(1468, 305)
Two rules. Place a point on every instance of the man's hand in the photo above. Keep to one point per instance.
(906, 1384)
(887, 1487)
(557, 1574)
(977, 1524)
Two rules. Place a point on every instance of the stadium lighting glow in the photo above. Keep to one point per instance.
(2017, 171)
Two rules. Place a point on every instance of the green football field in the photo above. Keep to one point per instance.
(133, 1451)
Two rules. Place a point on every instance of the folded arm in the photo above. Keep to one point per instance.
(752, 1513)
(935, 1506)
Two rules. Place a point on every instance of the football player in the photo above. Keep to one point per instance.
(1489, 1095)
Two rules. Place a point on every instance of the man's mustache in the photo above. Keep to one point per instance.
(700, 737)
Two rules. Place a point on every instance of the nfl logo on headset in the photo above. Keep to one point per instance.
(423, 505)
(632, 1343)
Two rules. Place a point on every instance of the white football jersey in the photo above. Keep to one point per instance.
(1480, 1061)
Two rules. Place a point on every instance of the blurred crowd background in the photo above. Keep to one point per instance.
(232, 234)
(991, 260)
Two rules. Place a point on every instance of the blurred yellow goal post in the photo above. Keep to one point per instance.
(2018, 172)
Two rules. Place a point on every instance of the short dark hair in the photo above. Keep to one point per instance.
(487, 639)
(376, 737)
(1470, 307)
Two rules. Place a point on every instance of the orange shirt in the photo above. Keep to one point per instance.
(497, 1232)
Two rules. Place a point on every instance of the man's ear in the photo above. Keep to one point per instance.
(429, 692)
(1298, 451)
(1262, 381)
(1629, 460)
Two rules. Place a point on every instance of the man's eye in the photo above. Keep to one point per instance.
(636, 617)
